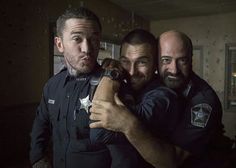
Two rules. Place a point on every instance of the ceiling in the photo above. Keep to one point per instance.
(168, 9)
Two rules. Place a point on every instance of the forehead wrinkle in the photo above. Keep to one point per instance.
(76, 32)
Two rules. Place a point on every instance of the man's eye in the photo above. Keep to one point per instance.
(166, 61)
(183, 61)
(142, 62)
(124, 62)
(77, 39)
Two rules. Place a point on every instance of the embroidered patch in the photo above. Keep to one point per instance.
(85, 103)
(50, 101)
(200, 114)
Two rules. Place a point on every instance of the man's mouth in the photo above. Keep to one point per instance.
(87, 59)
(173, 77)
(84, 57)
(134, 80)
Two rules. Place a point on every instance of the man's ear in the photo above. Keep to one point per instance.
(59, 44)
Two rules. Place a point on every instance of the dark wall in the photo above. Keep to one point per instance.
(15, 128)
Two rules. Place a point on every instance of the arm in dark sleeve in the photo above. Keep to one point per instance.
(201, 124)
(40, 131)
(104, 136)
(156, 106)
(101, 135)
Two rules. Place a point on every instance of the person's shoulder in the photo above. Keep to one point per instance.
(161, 92)
(201, 86)
(57, 78)
(152, 84)
(199, 82)
(204, 93)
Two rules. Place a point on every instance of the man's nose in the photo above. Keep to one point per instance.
(85, 46)
(173, 67)
(132, 70)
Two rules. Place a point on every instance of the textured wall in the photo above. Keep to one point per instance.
(212, 33)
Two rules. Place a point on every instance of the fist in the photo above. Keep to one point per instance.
(109, 63)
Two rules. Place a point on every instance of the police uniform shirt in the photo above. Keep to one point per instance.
(63, 114)
(201, 122)
(160, 109)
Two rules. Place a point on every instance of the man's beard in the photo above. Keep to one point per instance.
(139, 81)
(174, 81)
(74, 72)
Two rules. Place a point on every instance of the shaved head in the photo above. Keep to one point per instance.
(172, 36)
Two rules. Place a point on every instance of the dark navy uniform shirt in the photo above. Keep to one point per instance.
(201, 122)
(190, 120)
(158, 107)
(63, 114)
(201, 130)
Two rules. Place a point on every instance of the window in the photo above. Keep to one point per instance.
(230, 81)
(108, 50)
(197, 61)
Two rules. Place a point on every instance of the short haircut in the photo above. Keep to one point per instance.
(140, 36)
(79, 13)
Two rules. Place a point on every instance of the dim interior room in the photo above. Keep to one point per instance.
(30, 58)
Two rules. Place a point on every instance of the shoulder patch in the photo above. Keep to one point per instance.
(200, 114)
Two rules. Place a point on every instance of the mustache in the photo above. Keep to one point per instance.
(178, 75)
(86, 56)
(87, 53)
(136, 77)
(133, 79)
(174, 77)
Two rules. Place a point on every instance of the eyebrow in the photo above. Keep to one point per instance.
(142, 57)
(79, 33)
(166, 56)
(123, 57)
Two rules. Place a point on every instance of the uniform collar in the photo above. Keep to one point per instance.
(190, 86)
(187, 89)
(80, 77)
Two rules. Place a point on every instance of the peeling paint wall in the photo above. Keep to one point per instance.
(212, 33)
